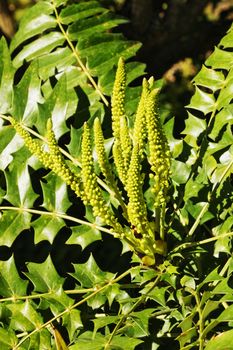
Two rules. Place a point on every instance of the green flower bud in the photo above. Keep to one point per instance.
(140, 131)
(159, 154)
(93, 194)
(118, 98)
(137, 211)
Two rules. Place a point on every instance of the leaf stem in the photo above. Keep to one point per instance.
(72, 159)
(124, 317)
(206, 206)
(99, 290)
(204, 241)
(58, 214)
(80, 63)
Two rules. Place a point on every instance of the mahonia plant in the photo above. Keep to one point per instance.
(144, 231)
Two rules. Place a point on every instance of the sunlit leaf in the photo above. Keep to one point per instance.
(6, 77)
(12, 223)
(84, 235)
(89, 274)
(221, 341)
(11, 284)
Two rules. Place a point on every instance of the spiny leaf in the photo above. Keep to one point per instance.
(86, 342)
(221, 341)
(6, 77)
(57, 108)
(26, 318)
(20, 192)
(193, 129)
(44, 276)
(39, 47)
(55, 200)
(27, 95)
(35, 21)
(73, 322)
(76, 12)
(210, 78)
(11, 284)
(226, 41)
(98, 24)
(220, 59)
(12, 223)
(8, 339)
(54, 194)
(84, 235)
(202, 101)
(10, 143)
(224, 117)
(89, 274)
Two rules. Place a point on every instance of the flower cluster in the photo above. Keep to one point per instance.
(147, 140)
(122, 143)
(159, 153)
(92, 192)
(52, 159)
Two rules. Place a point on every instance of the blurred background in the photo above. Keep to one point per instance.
(177, 37)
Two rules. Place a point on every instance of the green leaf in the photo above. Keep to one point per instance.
(193, 129)
(86, 342)
(58, 59)
(202, 101)
(222, 288)
(195, 209)
(11, 285)
(55, 194)
(224, 117)
(225, 95)
(89, 274)
(44, 276)
(226, 315)
(46, 227)
(10, 143)
(39, 47)
(27, 95)
(26, 318)
(188, 281)
(104, 50)
(55, 107)
(210, 78)
(188, 331)
(6, 77)
(72, 321)
(211, 277)
(98, 24)
(35, 21)
(122, 343)
(103, 321)
(226, 41)
(157, 294)
(76, 12)
(8, 339)
(210, 306)
(84, 235)
(139, 325)
(19, 187)
(221, 341)
(176, 145)
(12, 223)
(59, 2)
(220, 59)
(180, 171)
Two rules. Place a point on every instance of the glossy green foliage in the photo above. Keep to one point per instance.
(61, 65)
